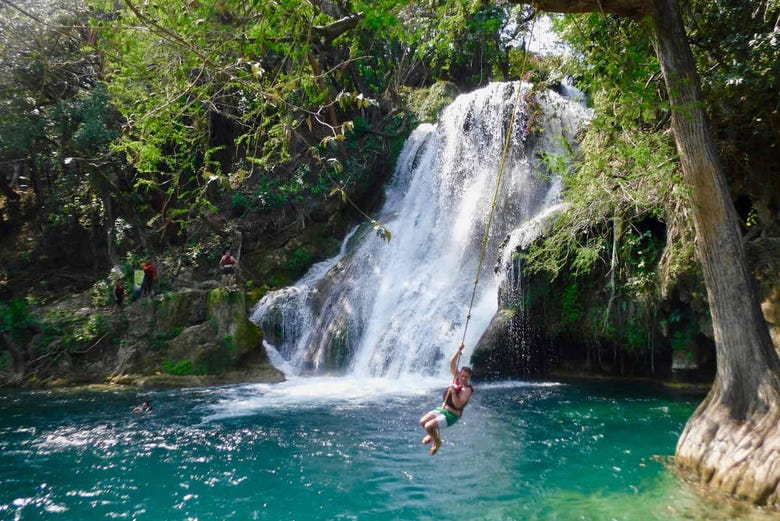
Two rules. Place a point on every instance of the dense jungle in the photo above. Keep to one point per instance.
(170, 132)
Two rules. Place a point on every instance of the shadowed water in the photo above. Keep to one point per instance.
(327, 448)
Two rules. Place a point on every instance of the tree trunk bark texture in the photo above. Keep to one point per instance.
(732, 440)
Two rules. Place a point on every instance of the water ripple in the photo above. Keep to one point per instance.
(521, 451)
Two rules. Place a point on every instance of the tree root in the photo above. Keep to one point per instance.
(738, 457)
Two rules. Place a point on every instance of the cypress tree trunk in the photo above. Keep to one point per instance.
(732, 441)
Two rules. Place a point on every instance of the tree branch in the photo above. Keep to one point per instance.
(635, 9)
(335, 29)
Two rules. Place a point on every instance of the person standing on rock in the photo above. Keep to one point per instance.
(119, 295)
(150, 276)
(227, 265)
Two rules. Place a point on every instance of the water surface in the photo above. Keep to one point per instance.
(330, 448)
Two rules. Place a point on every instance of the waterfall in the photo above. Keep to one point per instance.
(398, 308)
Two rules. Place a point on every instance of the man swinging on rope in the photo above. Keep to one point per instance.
(456, 397)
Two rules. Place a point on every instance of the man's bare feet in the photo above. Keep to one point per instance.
(427, 439)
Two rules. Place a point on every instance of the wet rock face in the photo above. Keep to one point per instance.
(512, 346)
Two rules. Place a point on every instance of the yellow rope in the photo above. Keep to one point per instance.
(498, 182)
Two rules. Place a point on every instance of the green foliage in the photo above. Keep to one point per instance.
(637, 334)
(743, 68)
(56, 119)
(554, 164)
(61, 329)
(101, 293)
(682, 328)
(15, 318)
(571, 307)
(56, 324)
(96, 325)
(89, 119)
(625, 223)
(209, 90)
(300, 259)
(736, 43)
(163, 106)
(462, 40)
(398, 127)
(624, 172)
(240, 202)
(181, 368)
(278, 280)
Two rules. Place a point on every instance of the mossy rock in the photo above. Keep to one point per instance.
(427, 104)
(227, 312)
(255, 294)
(218, 343)
(209, 358)
(189, 340)
(181, 309)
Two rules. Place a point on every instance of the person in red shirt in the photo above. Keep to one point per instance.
(150, 275)
(227, 265)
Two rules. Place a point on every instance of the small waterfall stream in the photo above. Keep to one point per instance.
(398, 308)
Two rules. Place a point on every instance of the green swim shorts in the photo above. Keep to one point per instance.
(448, 417)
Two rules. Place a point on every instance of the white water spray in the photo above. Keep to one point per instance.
(397, 309)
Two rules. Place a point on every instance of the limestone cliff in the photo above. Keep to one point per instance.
(196, 336)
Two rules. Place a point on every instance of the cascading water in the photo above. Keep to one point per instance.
(395, 308)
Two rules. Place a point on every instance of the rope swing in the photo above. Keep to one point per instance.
(507, 141)
(447, 414)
